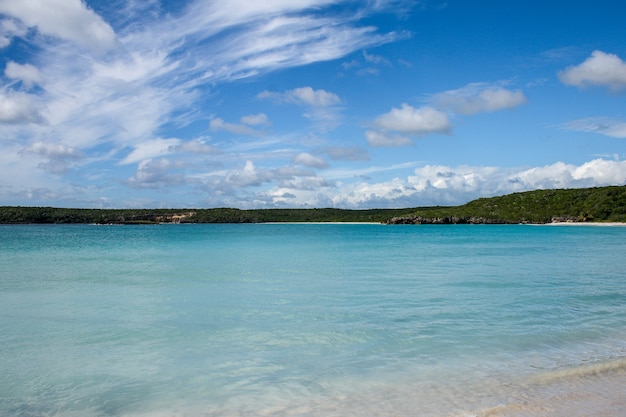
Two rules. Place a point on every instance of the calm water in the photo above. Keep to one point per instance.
(305, 319)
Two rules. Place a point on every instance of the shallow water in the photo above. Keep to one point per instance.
(310, 319)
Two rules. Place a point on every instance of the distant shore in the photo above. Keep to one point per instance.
(603, 205)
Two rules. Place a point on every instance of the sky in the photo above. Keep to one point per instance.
(307, 103)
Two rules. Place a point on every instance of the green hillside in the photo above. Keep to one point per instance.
(604, 204)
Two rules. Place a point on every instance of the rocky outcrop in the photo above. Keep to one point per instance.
(445, 220)
(568, 219)
(174, 218)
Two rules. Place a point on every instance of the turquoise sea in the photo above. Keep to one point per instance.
(312, 320)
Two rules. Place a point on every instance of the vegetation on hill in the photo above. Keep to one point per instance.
(18, 215)
(606, 204)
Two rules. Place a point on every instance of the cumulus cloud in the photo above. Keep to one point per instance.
(26, 73)
(477, 98)
(448, 185)
(53, 150)
(601, 125)
(252, 176)
(17, 107)
(155, 173)
(600, 69)
(309, 160)
(66, 19)
(414, 121)
(303, 96)
(492, 180)
(408, 120)
(58, 157)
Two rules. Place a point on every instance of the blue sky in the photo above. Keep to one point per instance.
(307, 103)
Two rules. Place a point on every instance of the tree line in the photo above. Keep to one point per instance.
(599, 204)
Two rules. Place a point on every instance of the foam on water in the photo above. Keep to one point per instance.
(311, 320)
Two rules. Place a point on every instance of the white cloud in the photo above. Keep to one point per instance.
(309, 160)
(314, 98)
(150, 149)
(304, 96)
(16, 107)
(598, 172)
(255, 119)
(323, 105)
(8, 30)
(477, 98)
(271, 35)
(600, 69)
(252, 176)
(134, 67)
(377, 138)
(339, 153)
(414, 121)
(58, 157)
(196, 146)
(26, 73)
(161, 67)
(446, 185)
(65, 19)
(602, 125)
(155, 173)
(218, 124)
(53, 150)
(375, 59)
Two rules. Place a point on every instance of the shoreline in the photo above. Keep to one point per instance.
(586, 224)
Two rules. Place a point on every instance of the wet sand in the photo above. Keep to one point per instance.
(590, 393)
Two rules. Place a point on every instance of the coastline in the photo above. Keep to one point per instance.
(618, 224)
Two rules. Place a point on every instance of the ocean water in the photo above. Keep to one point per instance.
(312, 320)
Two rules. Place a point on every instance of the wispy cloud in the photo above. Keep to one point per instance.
(323, 106)
(303, 96)
(477, 98)
(9, 29)
(381, 138)
(153, 71)
(338, 153)
(601, 125)
(218, 124)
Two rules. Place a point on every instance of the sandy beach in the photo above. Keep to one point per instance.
(596, 391)
(586, 224)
